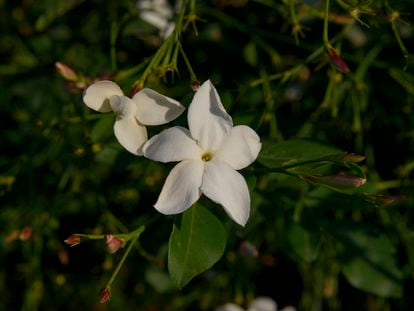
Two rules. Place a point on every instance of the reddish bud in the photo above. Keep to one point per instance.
(113, 243)
(26, 233)
(338, 62)
(337, 181)
(66, 72)
(135, 89)
(105, 295)
(248, 249)
(195, 85)
(73, 240)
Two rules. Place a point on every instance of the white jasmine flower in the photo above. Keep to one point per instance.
(210, 153)
(229, 307)
(263, 304)
(159, 14)
(146, 107)
(258, 304)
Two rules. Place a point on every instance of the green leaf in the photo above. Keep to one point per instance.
(292, 152)
(368, 277)
(369, 260)
(196, 244)
(304, 243)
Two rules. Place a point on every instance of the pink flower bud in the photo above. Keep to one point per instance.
(73, 240)
(337, 181)
(66, 72)
(26, 233)
(195, 85)
(105, 295)
(338, 62)
(113, 243)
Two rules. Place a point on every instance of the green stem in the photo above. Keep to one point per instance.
(187, 63)
(180, 20)
(126, 73)
(296, 27)
(124, 236)
(155, 60)
(192, 7)
(285, 75)
(293, 12)
(399, 40)
(120, 264)
(344, 5)
(166, 55)
(269, 100)
(325, 26)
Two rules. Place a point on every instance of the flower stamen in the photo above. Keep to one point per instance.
(207, 156)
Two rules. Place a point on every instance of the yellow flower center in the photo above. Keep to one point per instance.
(207, 156)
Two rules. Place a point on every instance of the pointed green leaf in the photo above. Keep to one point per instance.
(196, 244)
(293, 151)
(371, 277)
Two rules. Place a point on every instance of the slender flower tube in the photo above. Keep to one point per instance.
(210, 153)
(146, 107)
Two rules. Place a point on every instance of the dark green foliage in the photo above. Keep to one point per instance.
(311, 242)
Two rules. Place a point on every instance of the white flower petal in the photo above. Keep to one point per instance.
(173, 144)
(227, 187)
(130, 134)
(123, 106)
(209, 123)
(240, 148)
(263, 304)
(97, 95)
(182, 187)
(229, 307)
(156, 109)
(155, 19)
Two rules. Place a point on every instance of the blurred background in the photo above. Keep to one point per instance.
(63, 172)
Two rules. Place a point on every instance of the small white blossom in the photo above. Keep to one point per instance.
(159, 14)
(146, 107)
(210, 153)
(258, 304)
(229, 307)
(263, 304)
